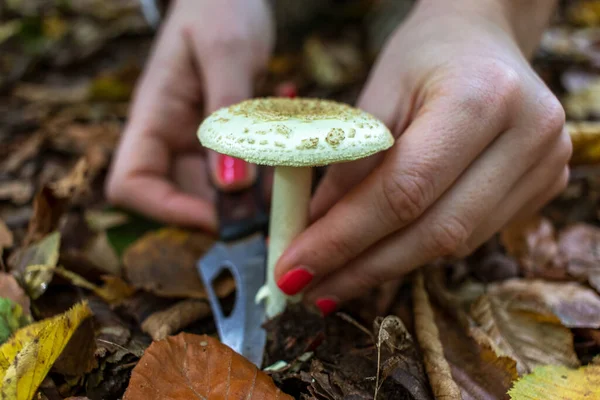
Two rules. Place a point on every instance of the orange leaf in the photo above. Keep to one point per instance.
(190, 366)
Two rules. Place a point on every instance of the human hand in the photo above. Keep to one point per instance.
(205, 58)
(480, 141)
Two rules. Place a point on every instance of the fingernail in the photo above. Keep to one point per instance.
(231, 170)
(327, 305)
(294, 281)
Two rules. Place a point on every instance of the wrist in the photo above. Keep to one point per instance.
(523, 21)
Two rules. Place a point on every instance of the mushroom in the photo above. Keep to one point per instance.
(293, 135)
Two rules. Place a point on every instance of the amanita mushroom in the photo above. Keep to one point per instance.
(293, 135)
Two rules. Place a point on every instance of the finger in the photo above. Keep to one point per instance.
(445, 228)
(547, 179)
(163, 119)
(227, 74)
(153, 195)
(382, 97)
(417, 170)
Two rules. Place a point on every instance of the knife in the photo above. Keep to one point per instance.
(241, 250)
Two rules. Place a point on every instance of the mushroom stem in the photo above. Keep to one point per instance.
(289, 217)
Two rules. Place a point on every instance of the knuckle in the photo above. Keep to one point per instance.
(566, 148)
(491, 90)
(406, 196)
(449, 236)
(550, 116)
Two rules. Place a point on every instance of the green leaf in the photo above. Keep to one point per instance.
(11, 318)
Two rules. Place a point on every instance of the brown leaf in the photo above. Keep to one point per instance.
(438, 369)
(25, 151)
(585, 137)
(78, 358)
(573, 304)
(6, 237)
(10, 289)
(528, 340)
(579, 244)
(584, 103)
(47, 210)
(76, 184)
(19, 192)
(167, 322)
(164, 263)
(197, 366)
(453, 358)
(533, 243)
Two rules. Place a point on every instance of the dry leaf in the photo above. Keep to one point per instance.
(528, 340)
(579, 245)
(76, 184)
(164, 323)
(78, 356)
(99, 251)
(19, 192)
(28, 356)
(6, 237)
(585, 103)
(555, 382)
(574, 305)
(533, 243)
(101, 221)
(23, 152)
(333, 63)
(164, 263)
(474, 367)
(47, 210)
(584, 12)
(27, 262)
(114, 290)
(585, 137)
(438, 369)
(197, 366)
(10, 289)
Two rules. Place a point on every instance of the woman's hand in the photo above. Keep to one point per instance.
(480, 141)
(205, 58)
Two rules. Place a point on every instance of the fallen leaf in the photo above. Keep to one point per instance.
(25, 151)
(533, 243)
(27, 357)
(11, 318)
(101, 221)
(19, 192)
(453, 358)
(114, 290)
(197, 366)
(584, 12)
(78, 356)
(579, 244)
(164, 263)
(76, 184)
(26, 263)
(6, 237)
(100, 252)
(164, 323)
(555, 382)
(47, 211)
(438, 369)
(584, 103)
(585, 137)
(574, 305)
(10, 289)
(528, 340)
(333, 63)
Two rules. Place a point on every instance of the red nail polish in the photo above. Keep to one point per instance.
(231, 170)
(294, 281)
(327, 305)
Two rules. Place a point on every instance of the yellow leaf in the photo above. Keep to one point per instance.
(558, 383)
(586, 142)
(28, 356)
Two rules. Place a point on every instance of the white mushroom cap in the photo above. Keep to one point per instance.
(296, 132)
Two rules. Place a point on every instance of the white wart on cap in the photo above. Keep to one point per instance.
(294, 132)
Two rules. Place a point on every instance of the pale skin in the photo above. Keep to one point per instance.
(480, 139)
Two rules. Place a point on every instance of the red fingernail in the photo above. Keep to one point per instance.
(231, 170)
(326, 304)
(294, 281)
